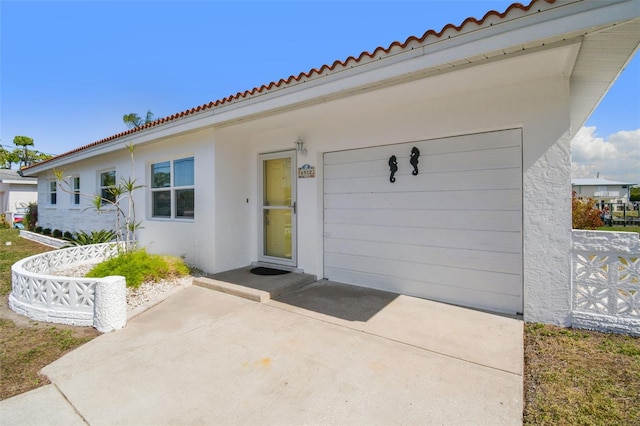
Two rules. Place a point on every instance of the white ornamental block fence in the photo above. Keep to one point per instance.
(606, 281)
(43, 239)
(97, 302)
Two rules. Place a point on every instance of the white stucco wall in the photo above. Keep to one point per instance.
(13, 196)
(234, 204)
(224, 234)
(68, 217)
(191, 239)
(589, 191)
(396, 115)
(547, 236)
(21, 195)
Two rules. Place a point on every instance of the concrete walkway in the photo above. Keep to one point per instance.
(326, 354)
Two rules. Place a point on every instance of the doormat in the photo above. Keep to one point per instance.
(261, 270)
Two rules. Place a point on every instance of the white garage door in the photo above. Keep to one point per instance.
(451, 233)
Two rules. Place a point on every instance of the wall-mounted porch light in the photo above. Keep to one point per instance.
(300, 147)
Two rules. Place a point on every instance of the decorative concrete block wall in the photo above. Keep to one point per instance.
(97, 302)
(606, 281)
(43, 239)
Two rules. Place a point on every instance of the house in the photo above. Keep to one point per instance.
(437, 167)
(16, 193)
(602, 190)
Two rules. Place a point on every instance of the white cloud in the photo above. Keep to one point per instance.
(617, 158)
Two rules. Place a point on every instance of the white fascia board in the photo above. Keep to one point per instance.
(558, 19)
(19, 182)
(414, 61)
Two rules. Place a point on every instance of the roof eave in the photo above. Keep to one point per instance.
(550, 21)
(19, 182)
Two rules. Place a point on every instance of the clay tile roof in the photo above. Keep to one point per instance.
(313, 73)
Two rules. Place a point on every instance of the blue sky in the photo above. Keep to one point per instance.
(71, 70)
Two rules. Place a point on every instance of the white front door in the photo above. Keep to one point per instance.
(277, 215)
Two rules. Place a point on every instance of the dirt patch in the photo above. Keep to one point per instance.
(26, 346)
(580, 377)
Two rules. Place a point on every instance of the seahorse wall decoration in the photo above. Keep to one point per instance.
(393, 166)
(415, 153)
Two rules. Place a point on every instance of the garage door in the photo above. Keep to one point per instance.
(452, 232)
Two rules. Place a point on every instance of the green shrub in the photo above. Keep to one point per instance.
(38, 229)
(46, 231)
(31, 218)
(67, 235)
(57, 233)
(83, 238)
(139, 266)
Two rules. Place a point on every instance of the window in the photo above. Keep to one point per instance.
(53, 192)
(172, 189)
(107, 183)
(75, 185)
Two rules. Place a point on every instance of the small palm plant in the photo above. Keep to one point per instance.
(126, 224)
(82, 238)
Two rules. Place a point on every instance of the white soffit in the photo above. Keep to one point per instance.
(513, 70)
(520, 32)
(602, 57)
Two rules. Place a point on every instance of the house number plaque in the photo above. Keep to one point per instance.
(306, 171)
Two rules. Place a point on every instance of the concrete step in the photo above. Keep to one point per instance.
(260, 296)
(258, 288)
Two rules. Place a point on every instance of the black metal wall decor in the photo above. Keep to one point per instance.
(415, 153)
(393, 166)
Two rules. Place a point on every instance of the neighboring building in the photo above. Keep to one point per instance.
(298, 172)
(16, 193)
(603, 190)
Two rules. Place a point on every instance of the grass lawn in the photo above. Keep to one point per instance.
(27, 348)
(25, 345)
(19, 248)
(620, 228)
(580, 377)
(570, 377)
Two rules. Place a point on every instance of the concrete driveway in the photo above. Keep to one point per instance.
(326, 354)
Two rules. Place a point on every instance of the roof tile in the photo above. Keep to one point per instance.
(314, 72)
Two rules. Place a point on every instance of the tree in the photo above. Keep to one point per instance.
(22, 155)
(7, 158)
(584, 213)
(133, 120)
(23, 142)
(635, 193)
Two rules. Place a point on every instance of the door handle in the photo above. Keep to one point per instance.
(295, 208)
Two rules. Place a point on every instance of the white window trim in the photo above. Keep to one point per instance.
(100, 187)
(75, 191)
(52, 188)
(171, 189)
